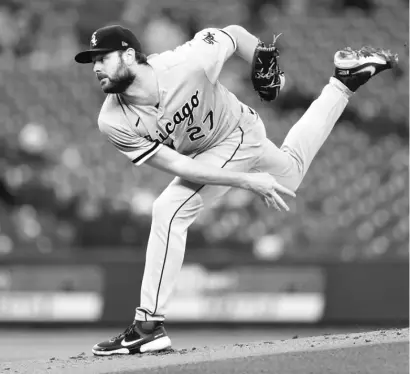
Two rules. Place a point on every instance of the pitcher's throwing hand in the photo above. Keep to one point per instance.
(267, 187)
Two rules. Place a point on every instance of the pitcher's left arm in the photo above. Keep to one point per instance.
(246, 43)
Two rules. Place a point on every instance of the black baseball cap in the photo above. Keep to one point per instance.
(109, 39)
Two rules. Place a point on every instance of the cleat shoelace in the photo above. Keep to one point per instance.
(127, 331)
(368, 51)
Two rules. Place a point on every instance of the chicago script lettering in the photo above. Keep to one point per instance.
(185, 113)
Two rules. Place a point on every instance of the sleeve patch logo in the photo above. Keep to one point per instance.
(209, 38)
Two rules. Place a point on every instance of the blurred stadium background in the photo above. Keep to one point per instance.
(75, 214)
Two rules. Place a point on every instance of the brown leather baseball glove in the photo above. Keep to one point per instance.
(266, 75)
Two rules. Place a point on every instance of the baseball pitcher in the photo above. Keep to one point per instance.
(170, 111)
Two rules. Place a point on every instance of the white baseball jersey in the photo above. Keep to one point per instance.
(195, 110)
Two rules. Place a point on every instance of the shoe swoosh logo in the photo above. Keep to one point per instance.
(370, 69)
(126, 344)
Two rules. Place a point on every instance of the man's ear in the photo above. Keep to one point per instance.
(129, 56)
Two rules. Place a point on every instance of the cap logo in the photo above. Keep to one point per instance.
(124, 44)
(94, 40)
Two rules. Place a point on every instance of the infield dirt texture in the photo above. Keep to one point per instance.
(376, 352)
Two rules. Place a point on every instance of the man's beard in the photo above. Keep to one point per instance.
(120, 82)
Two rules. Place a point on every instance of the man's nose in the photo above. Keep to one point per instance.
(97, 67)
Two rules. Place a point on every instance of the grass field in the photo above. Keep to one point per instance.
(273, 350)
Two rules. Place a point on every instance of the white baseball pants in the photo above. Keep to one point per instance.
(247, 149)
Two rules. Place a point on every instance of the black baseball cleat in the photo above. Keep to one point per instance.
(355, 67)
(139, 337)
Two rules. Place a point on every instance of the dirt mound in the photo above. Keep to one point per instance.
(383, 351)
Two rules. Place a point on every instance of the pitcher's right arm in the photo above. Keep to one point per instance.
(262, 184)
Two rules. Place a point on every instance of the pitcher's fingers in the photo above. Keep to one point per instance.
(270, 202)
(280, 201)
(284, 189)
(273, 203)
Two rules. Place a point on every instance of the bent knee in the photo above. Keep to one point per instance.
(295, 172)
(296, 159)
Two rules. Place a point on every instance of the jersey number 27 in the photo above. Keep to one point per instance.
(195, 132)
